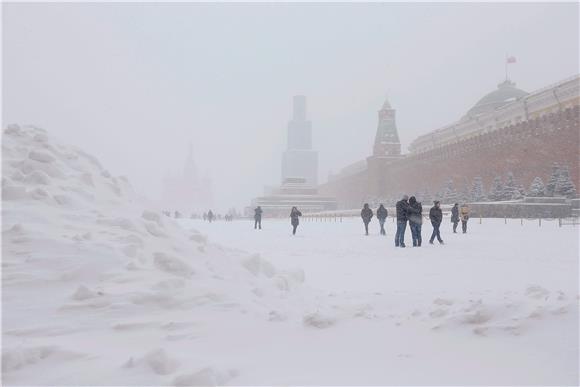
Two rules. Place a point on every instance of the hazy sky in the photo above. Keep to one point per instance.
(134, 83)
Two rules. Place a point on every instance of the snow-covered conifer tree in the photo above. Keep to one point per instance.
(537, 188)
(464, 195)
(450, 195)
(564, 185)
(477, 194)
(551, 185)
(497, 191)
(511, 190)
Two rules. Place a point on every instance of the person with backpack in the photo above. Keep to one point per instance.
(436, 216)
(382, 214)
(294, 219)
(415, 220)
(366, 214)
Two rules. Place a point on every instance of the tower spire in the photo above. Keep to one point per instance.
(386, 104)
(387, 137)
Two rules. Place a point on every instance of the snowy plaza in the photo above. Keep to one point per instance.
(132, 297)
(498, 305)
(194, 194)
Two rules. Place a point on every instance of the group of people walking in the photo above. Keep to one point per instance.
(409, 210)
(295, 215)
(209, 216)
(367, 214)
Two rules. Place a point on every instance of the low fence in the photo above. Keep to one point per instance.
(526, 209)
(338, 217)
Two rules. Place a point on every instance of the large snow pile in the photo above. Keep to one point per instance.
(96, 285)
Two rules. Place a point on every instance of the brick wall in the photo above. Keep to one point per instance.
(527, 149)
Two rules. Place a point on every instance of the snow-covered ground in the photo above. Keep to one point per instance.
(99, 290)
(498, 305)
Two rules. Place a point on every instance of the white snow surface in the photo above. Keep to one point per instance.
(99, 290)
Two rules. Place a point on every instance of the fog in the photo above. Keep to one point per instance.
(135, 83)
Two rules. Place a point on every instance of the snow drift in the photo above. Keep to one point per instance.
(81, 254)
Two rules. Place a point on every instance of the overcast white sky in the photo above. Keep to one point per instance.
(134, 83)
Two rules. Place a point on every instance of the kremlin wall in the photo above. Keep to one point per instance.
(508, 130)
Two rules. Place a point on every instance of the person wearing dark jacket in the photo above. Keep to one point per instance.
(415, 220)
(294, 219)
(210, 216)
(402, 207)
(258, 217)
(436, 216)
(455, 217)
(382, 214)
(366, 214)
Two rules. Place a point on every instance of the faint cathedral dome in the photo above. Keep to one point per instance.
(506, 92)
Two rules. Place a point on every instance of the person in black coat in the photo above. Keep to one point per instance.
(258, 217)
(382, 214)
(436, 216)
(366, 214)
(415, 214)
(210, 216)
(402, 208)
(455, 217)
(294, 219)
